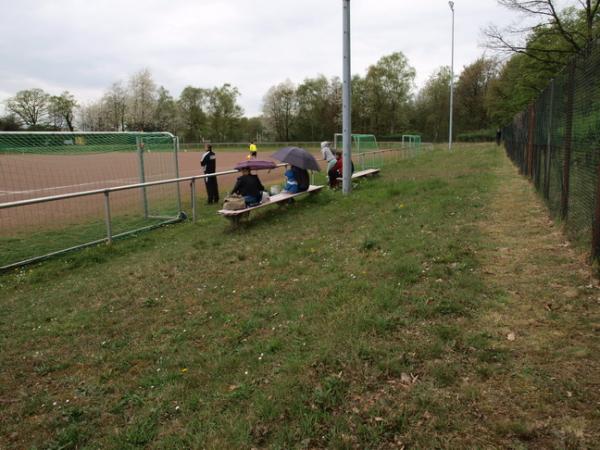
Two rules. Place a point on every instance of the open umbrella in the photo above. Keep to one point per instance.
(255, 164)
(298, 157)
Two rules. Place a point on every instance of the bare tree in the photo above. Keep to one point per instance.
(30, 105)
(94, 117)
(142, 100)
(115, 105)
(279, 108)
(567, 32)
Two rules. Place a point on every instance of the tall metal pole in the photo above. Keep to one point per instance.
(451, 81)
(346, 102)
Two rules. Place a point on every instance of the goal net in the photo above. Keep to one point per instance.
(49, 164)
(364, 147)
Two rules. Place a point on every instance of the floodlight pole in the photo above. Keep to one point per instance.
(451, 3)
(346, 105)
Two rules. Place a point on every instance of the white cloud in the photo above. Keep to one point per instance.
(84, 46)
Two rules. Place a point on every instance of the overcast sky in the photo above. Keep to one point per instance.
(84, 46)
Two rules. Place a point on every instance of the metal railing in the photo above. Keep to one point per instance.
(106, 192)
(399, 153)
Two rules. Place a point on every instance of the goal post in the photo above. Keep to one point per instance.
(57, 166)
(411, 140)
(363, 146)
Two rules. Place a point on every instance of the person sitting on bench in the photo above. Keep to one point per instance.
(337, 170)
(291, 184)
(249, 187)
(301, 176)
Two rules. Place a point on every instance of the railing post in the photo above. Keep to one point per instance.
(176, 158)
(107, 217)
(564, 201)
(193, 189)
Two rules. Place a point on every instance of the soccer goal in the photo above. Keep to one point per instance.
(363, 148)
(61, 176)
(411, 141)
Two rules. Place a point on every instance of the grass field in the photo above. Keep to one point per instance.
(437, 307)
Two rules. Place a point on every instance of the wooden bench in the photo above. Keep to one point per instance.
(283, 197)
(363, 173)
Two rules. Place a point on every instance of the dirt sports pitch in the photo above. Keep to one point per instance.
(33, 176)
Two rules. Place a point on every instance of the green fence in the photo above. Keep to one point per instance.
(556, 143)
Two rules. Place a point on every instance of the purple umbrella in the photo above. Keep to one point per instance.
(255, 164)
(298, 157)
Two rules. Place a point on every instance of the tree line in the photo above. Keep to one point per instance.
(488, 93)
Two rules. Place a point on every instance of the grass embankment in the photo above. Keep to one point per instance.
(404, 315)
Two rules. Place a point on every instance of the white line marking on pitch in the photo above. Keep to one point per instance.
(56, 188)
(118, 181)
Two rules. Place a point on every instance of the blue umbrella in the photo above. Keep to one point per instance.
(298, 157)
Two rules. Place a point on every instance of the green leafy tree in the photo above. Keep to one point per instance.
(471, 93)
(30, 106)
(319, 108)
(61, 110)
(224, 113)
(361, 120)
(522, 78)
(9, 123)
(432, 106)
(192, 104)
(571, 30)
(165, 114)
(251, 128)
(388, 88)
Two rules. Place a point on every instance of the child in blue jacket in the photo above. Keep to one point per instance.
(291, 184)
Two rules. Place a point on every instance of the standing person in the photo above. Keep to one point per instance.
(326, 152)
(209, 162)
(253, 150)
(498, 136)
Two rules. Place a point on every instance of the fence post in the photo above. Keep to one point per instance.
(596, 224)
(564, 201)
(140, 152)
(193, 189)
(530, 140)
(107, 217)
(549, 143)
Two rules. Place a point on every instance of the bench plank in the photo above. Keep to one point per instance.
(278, 198)
(363, 173)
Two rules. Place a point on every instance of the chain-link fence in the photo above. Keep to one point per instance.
(43, 176)
(65, 191)
(556, 143)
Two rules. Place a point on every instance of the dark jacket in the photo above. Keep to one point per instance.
(209, 162)
(248, 185)
(302, 178)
